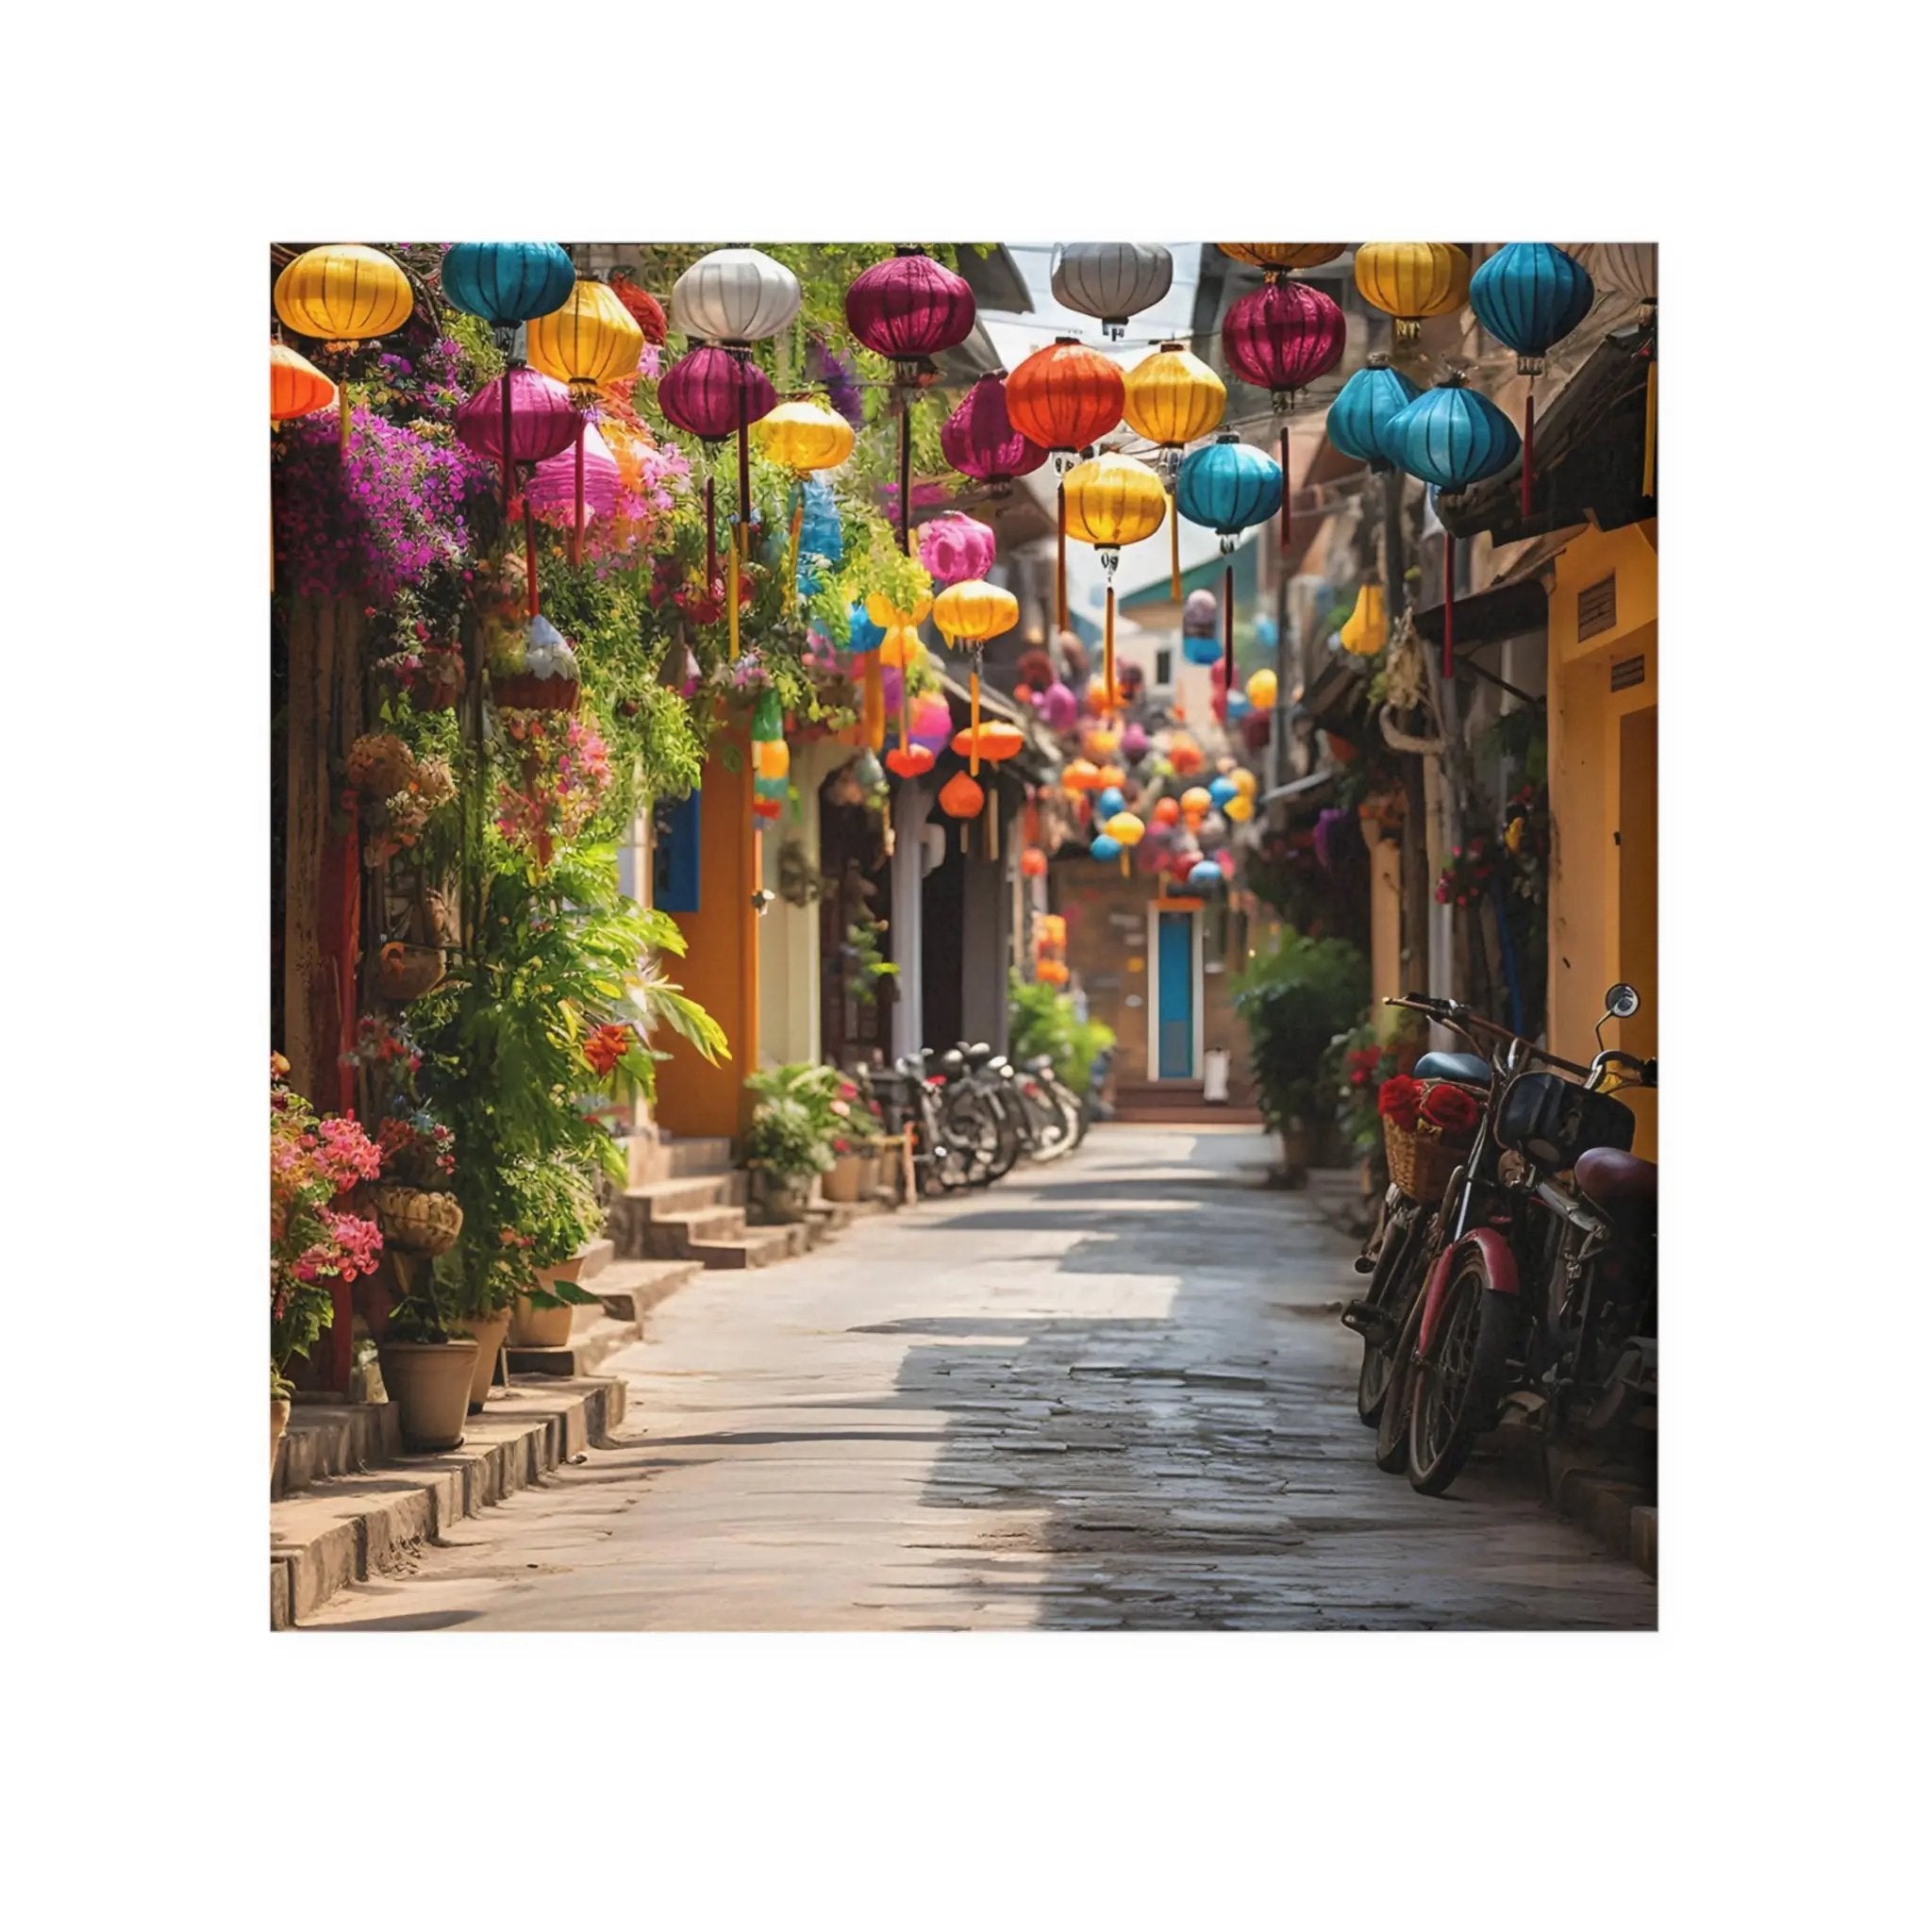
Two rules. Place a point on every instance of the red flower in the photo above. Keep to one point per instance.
(1400, 1101)
(1450, 1108)
(606, 1047)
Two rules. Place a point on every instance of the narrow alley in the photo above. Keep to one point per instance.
(1113, 1395)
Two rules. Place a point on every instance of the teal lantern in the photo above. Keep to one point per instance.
(1105, 847)
(507, 282)
(1230, 487)
(1529, 295)
(1203, 873)
(821, 535)
(1451, 436)
(1359, 418)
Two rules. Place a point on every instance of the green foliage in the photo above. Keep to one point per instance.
(793, 1124)
(1294, 998)
(1043, 1020)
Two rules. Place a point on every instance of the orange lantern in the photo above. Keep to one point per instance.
(1082, 775)
(962, 797)
(1167, 811)
(1033, 862)
(295, 385)
(1109, 775)
(993, 740)
(909, 760)
(1196, 802)
(1184, 755)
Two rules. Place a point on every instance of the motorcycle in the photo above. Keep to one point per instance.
(1487, 1325)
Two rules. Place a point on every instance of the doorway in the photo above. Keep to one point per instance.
(1173, 1006)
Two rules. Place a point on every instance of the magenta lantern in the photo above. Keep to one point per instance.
(956, 547)
(979, 439)
(1280, 339)
(1058, 709)
(712, 394)
(521, 417)
(932, 722)
(553, 490)
(1134, 743)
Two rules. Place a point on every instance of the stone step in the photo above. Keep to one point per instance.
(696, 1153)
(639, 1216)
(630, 1289)
(757, 1247)
(590, 1343)
(331, 1438)
(597, 1256)
(687, 1195)
(347, 1528)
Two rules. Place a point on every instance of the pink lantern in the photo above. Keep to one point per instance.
(1058, 709)
(521, 417)
(1280, 339)
(932, 722)
(979, 440)
(554, 492)
(1134, 743)
(956, 547)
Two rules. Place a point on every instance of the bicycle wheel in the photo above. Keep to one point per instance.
(970, 1132)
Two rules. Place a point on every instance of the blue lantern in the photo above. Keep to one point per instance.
(507, 282)
(1105, 847)
(1452, 437)
(1230, 487)
(1222, 787)
(1203, 874)
(1201, 650)
(1530, 295)
(1238, 707)
(821, 535)
(1359, 418)
(1110, 801)
(862, 634)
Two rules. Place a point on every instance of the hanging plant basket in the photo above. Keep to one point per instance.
(380, 764)
(418, 1220)
(523, 691)
(405, 971)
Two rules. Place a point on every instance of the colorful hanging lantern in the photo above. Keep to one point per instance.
(587, 341)
(295, 385)
(712, 395)
(1204, 875)
(1200, 625)
(1452, 436)
(1110, 280)
(961, 798)
(1082, 774)
(1264, 687)
(979, 440)
(994, 740)
(1229, 486)
(1125, 830)
(1105, 847)
(340, 294)
(1064, 397)
(1359, 416)
(1281, 338)
(1277, 259)
(1133, 743)
(1221, 790)
(1167, 811)
(932, 722)
(821, 535)
(1172, 398)
(803, 436)
(506, 282)
(645, 310)
(1109, 800)
(1411, 281)
(910, 760)
(1110, 501)
(1529, 295)
(970, 613)
(1196, 803)
(1240, 808)
(1367, 628)
(537, 410)
(954, 548)
(572, 488)
(1033, 863)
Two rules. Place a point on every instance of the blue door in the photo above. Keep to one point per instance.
(1174, 963)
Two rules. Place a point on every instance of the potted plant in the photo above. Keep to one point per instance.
(316, 1165)
(425, 1367)
(789, 1143)
(554, 1212)
(1295, 997)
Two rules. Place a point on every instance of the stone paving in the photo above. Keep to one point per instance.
(1109, 1393)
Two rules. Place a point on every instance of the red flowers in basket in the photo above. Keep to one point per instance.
(1400, 1101)
(1450, 1109)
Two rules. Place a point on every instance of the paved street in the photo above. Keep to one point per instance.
(1110, 1393)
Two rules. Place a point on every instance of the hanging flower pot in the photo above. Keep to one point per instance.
(405, 971)
(418, 1220)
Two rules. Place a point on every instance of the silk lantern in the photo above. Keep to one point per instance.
(1281, 338)
(712, 395)
(1126, 829)
(1063, 397)
(1200, 625)
(735, 297)
(1205, 874)
(979, 440)
(588, 341)
(506, 282)
(573, 488)
(1172, 398)
(1452, 436)
(909, 309)
(821, 535)
(970, 614)
(1277, 259)
(645, 310)
(1229, 486)
(1110, 281)
(897, 626)
(1104, 847)
(1411, 281)
(1359, 416)
(803, 436)
(1529, 295)
(956, 547)
(1263, 687)
(343, 293)
(1109, 501)
(961, 798)
(1367, 628)
(520, 416)
(1033, 862)
(295, 385)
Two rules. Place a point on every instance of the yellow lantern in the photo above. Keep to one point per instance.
(803, 436)
(340, 294)
(900, 648)
(774, 757)
(1196, 802)
(1241, 808)
(885, 614)
(1112, 500)
(593, 338)
(1244, 782)
(970, 614)
(1262, 688)
(1172, 398)
(1277, 258)
(1411, 281)
(1367, 629)
(1129, 829)
(1100, 744)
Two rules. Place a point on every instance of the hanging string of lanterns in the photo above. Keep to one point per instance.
(713, 395)
(1230, 487)
(589, 340)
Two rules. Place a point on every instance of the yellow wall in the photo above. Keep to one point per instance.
(720, 966)
(788, 935)
(1385, 920)
(1603, 803)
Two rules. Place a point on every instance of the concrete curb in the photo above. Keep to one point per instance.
(361, 1518)
(1619, 1513)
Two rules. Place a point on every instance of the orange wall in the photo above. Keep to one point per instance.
(720, 966)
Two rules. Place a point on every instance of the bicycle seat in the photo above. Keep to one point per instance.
(1040, 1063)
(1466, 1068)
(1612, 1178)
(953, 1062)
(977, 1055)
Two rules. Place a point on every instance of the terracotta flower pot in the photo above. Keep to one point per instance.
(534, 1327)
(847, 1178)
(784, 1195)
(487, 1332)
(429, 1382)
(869, 1176)
(279, 1408)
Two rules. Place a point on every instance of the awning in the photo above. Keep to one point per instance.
(1511, 610)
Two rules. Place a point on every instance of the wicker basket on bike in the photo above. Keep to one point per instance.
(1428, 1125)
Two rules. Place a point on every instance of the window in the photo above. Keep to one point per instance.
(1163, 667)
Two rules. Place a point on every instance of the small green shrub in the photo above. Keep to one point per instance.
(1294, 998)
(1043, 1020)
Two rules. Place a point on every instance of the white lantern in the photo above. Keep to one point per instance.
(735, 296)
(1112, 280)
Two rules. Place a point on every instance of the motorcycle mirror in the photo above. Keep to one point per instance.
(1621, 1001)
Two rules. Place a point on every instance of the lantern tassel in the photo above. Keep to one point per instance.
(530, 560)
(973, 758)
(710, 531)
(992, 821)
(792, 551)
(576, 528)
(342, 417)
(1287, 493)
(1124, 862)
(1649, 484)
(1173, 545)
(1227, 632)
(1448, 605)
(731, 593)
(1060, 581)
(905, 475)
(871, 668)
(508, 460)
(875, 701)
(742, 534)
(1528, 445)
(1107, 652)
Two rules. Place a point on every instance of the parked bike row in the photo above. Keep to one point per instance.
(972, 1113)
(1513, 1264)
